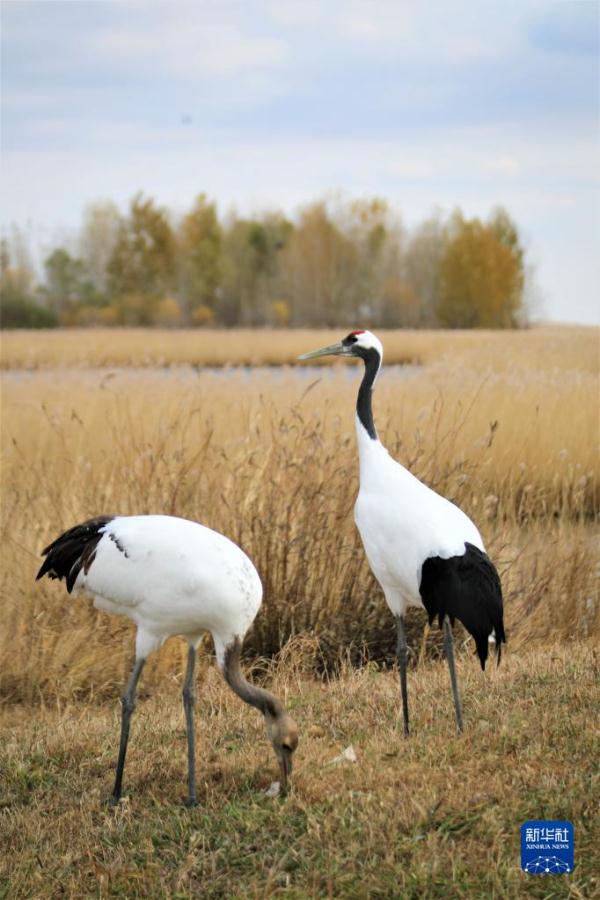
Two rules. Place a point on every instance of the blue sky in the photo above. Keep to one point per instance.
(262, 104)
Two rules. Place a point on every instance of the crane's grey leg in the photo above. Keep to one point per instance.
(189, 701)
(402, 651)
(128, 705)
(449, 652)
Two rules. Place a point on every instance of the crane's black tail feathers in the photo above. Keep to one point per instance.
(72, 551)
(466, 588)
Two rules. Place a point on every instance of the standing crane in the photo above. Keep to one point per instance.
(172, 576)
(423, 550)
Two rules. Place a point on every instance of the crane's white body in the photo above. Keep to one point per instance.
(172, 576)
(402, 522)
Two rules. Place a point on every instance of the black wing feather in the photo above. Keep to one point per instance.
(466, 588)
(73, 550)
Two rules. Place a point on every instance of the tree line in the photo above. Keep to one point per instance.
(339, 262)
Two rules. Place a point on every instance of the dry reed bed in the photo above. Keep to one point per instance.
(541, 348)
(269, 459)
(434, 817)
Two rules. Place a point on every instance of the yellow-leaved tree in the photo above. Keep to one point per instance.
(481, 274)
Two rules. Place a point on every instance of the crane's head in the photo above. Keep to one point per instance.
(283, 734)
(363, 344)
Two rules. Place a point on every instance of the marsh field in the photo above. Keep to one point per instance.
(225, 428)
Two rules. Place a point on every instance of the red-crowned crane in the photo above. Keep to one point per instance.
(423, 550)
(172, 576)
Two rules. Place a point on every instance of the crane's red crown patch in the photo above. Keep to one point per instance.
(361, 331)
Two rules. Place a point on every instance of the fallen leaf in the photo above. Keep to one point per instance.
(347, 755)
(273, 789)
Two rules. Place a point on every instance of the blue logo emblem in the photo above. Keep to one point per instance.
(547, 847)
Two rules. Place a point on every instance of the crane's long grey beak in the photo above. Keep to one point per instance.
(331, 350)
(285, 766)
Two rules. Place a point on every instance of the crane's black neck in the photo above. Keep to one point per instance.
(372, 361)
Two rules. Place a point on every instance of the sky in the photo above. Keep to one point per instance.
(470, 103)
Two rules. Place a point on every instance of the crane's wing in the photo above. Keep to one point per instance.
(466, 588)
(74, 550)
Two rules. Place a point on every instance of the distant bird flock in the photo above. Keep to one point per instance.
(172, 577)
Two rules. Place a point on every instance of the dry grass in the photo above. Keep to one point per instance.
(436, 816)
(567, 348)
(506, 425)
(268, 458)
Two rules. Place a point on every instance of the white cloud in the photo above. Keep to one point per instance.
(297, 13)
(503, 165)
(196, 48)
(415, 168)
(447, 31)
(358, 26)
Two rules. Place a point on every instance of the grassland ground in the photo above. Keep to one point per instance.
(506, 425)
(433, 816)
